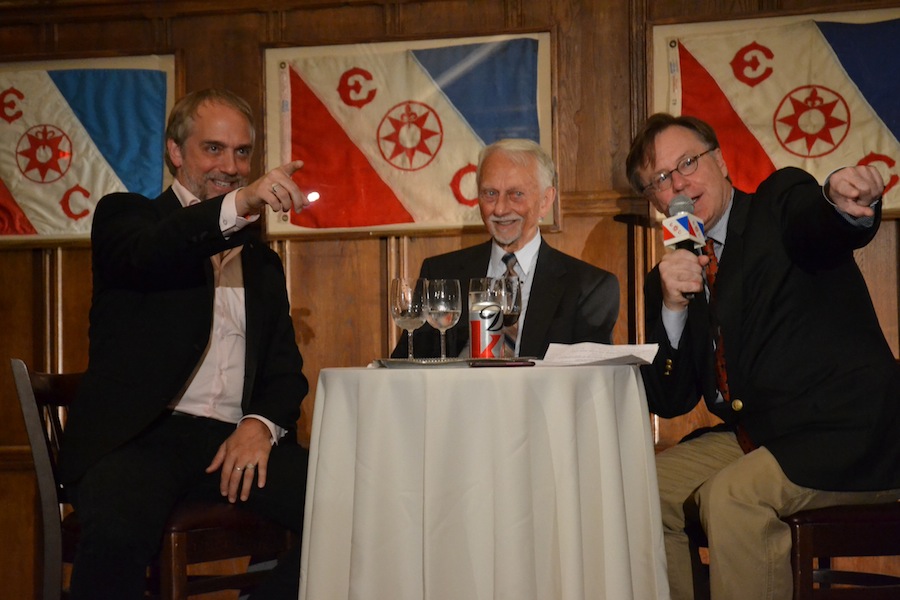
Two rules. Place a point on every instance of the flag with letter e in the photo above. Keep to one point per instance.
(390, 133)
(70, 136)
(812, 94)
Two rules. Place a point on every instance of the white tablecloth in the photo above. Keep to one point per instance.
(482, 483)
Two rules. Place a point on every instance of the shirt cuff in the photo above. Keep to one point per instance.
(274, 430)
(229, 221)
(674, 322)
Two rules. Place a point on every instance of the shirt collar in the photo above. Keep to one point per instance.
(524, 255)
(720, 229)
(183, 194)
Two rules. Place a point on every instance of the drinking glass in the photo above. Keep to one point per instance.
(512, 308)
(407, 298)
(442, 307)
(487, 296)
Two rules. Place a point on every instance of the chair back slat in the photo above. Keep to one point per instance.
(44, 398)
(53, 394)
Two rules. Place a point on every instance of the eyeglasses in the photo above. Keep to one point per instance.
(663, 180)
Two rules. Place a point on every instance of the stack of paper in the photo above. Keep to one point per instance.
(590, 353)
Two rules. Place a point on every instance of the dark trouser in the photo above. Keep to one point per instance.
(124, 500)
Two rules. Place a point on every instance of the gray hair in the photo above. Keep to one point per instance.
(519, 150)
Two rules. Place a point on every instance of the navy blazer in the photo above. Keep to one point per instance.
(571, 301)
(805, 355)
(151, 317)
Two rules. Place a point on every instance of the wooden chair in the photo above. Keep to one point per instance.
(817, 536)
(195, 533)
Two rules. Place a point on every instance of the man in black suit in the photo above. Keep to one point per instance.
(811, 401)
(194, 381)
(565, 300)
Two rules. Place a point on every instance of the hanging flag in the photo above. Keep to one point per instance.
(70, 136)
(390, 135)
(810, 94)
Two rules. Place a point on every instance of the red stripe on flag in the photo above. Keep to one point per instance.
(352, 194)
(701, 97)
(12, 220)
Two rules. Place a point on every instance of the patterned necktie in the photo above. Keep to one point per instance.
(711, 271)
(511, 332)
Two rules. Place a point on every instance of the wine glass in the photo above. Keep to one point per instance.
(407, 296)
(442, 307)
(512, 308)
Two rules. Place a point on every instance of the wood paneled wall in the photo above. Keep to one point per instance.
(338, 286)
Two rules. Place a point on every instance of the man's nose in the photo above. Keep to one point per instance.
(679, 181)
(502, 205)
(228, 163)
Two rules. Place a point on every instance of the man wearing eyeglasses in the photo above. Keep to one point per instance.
(808, 389)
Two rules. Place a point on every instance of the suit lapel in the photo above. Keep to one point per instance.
(729, 283)
(542, 305)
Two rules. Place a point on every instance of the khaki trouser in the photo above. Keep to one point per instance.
(741, 499)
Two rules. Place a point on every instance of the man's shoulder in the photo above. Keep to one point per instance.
(463, 255)
(574, 263)
(125, 200)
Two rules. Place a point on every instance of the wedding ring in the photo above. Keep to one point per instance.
(238, 469)
(250, 467)
(275, 188)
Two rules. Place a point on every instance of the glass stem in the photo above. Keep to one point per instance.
(409, 333)
(443, 344)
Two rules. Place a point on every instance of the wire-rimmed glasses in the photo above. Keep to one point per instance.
(660, 182)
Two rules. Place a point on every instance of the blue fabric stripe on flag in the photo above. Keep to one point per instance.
(870, 54)
(124, 112)
(492, 85)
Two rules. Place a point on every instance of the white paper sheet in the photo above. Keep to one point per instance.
(591, 353)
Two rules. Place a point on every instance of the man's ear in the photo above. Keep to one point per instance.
(547, 200)
(174, 153)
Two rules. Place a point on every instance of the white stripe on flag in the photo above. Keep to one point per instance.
(45, 187)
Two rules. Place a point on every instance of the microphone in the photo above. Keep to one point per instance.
(682, 230)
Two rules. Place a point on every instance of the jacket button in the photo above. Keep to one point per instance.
(737, 405)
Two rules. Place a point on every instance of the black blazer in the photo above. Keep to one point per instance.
(804, 351)
(571, 301)
(151, 317)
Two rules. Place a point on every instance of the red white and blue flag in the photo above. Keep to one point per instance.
(69, 136)
(811, 94)
(390, 135)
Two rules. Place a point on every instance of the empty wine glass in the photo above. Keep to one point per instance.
(407, 297)
(442, 307)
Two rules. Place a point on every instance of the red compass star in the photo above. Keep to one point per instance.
(814, 119)
(45, 151)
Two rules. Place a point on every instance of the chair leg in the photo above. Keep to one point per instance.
(699, 573)
(801, 563)
(173, 568)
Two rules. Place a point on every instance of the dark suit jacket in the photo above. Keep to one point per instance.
(803, 348)
(151, 316)
(571, 301)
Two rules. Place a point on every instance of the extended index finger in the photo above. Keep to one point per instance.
(291, 167)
